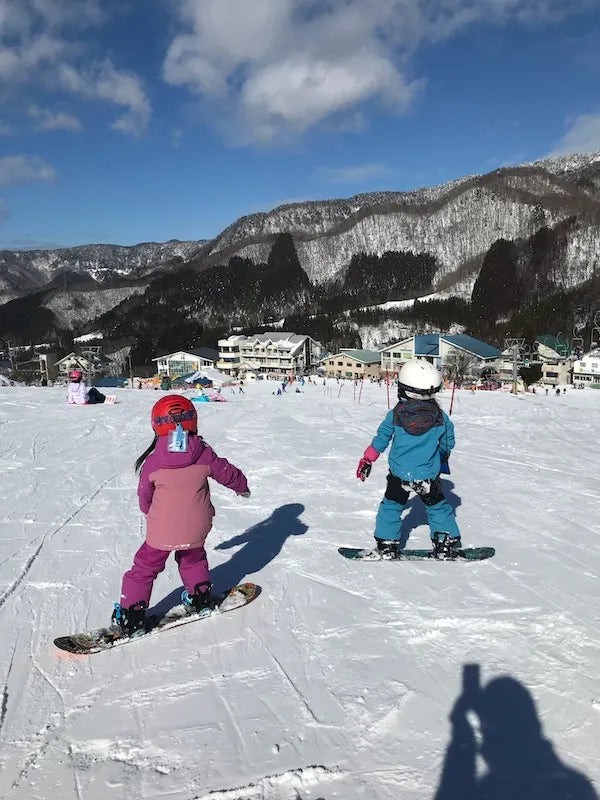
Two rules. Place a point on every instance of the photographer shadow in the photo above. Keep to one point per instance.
(500, 724)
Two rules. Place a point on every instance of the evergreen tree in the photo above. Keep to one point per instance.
(284, 263)
(496, 290)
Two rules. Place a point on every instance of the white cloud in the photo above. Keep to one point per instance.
(583, 136)
(271, 68)
(41, 42)
(355, 174)
(16, 169)
(105, 82)
(54, 120)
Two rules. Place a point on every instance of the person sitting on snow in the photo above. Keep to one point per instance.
(78, 393)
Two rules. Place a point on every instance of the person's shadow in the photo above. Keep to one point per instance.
(263, 542)
(499, 722)
(417, 515)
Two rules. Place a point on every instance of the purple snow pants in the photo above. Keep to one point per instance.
(148, 562)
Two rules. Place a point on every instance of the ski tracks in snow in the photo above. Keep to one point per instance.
(339, 680)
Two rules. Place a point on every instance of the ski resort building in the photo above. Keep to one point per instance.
(350, 363)
(272, 353)
(91, 362)
(184, 362)
(555, 357)
(439, 349)
(586, 370)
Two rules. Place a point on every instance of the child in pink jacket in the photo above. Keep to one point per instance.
(174, 495)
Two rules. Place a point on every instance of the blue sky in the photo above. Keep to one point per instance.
(147, 120)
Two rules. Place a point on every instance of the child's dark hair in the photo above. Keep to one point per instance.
(140, 462)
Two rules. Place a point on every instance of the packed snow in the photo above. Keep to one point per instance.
(339, 681)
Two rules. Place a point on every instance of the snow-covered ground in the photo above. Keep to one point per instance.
(339, 680)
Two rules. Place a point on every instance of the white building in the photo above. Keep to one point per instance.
(274, 352)
(555, 357)
(439, 349)
(183, 362)
(586, 370)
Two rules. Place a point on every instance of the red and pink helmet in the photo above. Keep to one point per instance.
(76, 375)
(171, 410)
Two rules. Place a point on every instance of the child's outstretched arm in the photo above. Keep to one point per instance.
(225, 473)
(377, 446)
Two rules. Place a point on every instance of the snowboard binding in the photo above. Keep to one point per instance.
(131, 620)
(202, 598)
(387, 548)
(445, 546)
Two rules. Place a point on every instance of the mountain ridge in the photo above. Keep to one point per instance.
(454, 223)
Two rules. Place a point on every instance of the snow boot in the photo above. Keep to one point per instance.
(201, 599)
(445, 546)
(132, 620)
(387, 548)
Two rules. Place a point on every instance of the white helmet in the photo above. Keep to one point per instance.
(418, 379)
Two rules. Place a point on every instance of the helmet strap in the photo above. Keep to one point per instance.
(178, 440)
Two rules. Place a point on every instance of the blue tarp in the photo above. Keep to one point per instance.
(109, 383)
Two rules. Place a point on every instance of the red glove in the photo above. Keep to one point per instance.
(364, 469)
(364, 465)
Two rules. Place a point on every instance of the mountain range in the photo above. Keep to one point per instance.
(453, 225)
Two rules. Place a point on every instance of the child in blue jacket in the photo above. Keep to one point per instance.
(422, 437)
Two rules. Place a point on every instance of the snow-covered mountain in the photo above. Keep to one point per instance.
(456, 223)
(26, 271)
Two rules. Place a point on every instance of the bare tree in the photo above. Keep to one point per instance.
(459, 366)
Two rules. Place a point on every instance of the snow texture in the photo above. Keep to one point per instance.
(338, 681)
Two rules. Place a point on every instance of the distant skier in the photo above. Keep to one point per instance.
(78, 393)
(422, 436)
(174, 495)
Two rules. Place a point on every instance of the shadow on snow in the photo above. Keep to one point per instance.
(262, 543)
(499, 724)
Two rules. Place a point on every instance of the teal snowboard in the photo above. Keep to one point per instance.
(468, 554)
(106, 638)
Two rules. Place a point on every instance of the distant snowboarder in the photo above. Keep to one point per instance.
(174, 495)
(78, 393)
(422, 437)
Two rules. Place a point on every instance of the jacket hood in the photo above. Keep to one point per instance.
(167, 460)
(417, 417)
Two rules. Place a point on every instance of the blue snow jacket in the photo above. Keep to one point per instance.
(422, 435)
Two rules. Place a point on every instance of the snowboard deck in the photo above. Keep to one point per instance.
(467, 554)
(95, 641)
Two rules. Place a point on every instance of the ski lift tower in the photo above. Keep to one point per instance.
(595, 337)
(517, 348)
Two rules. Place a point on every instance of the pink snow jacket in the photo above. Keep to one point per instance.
(174, 494)
(77, 393)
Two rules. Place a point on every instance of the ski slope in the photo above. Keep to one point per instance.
(340, 679)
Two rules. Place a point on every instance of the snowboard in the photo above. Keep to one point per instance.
(95, 641)
(467, 554)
